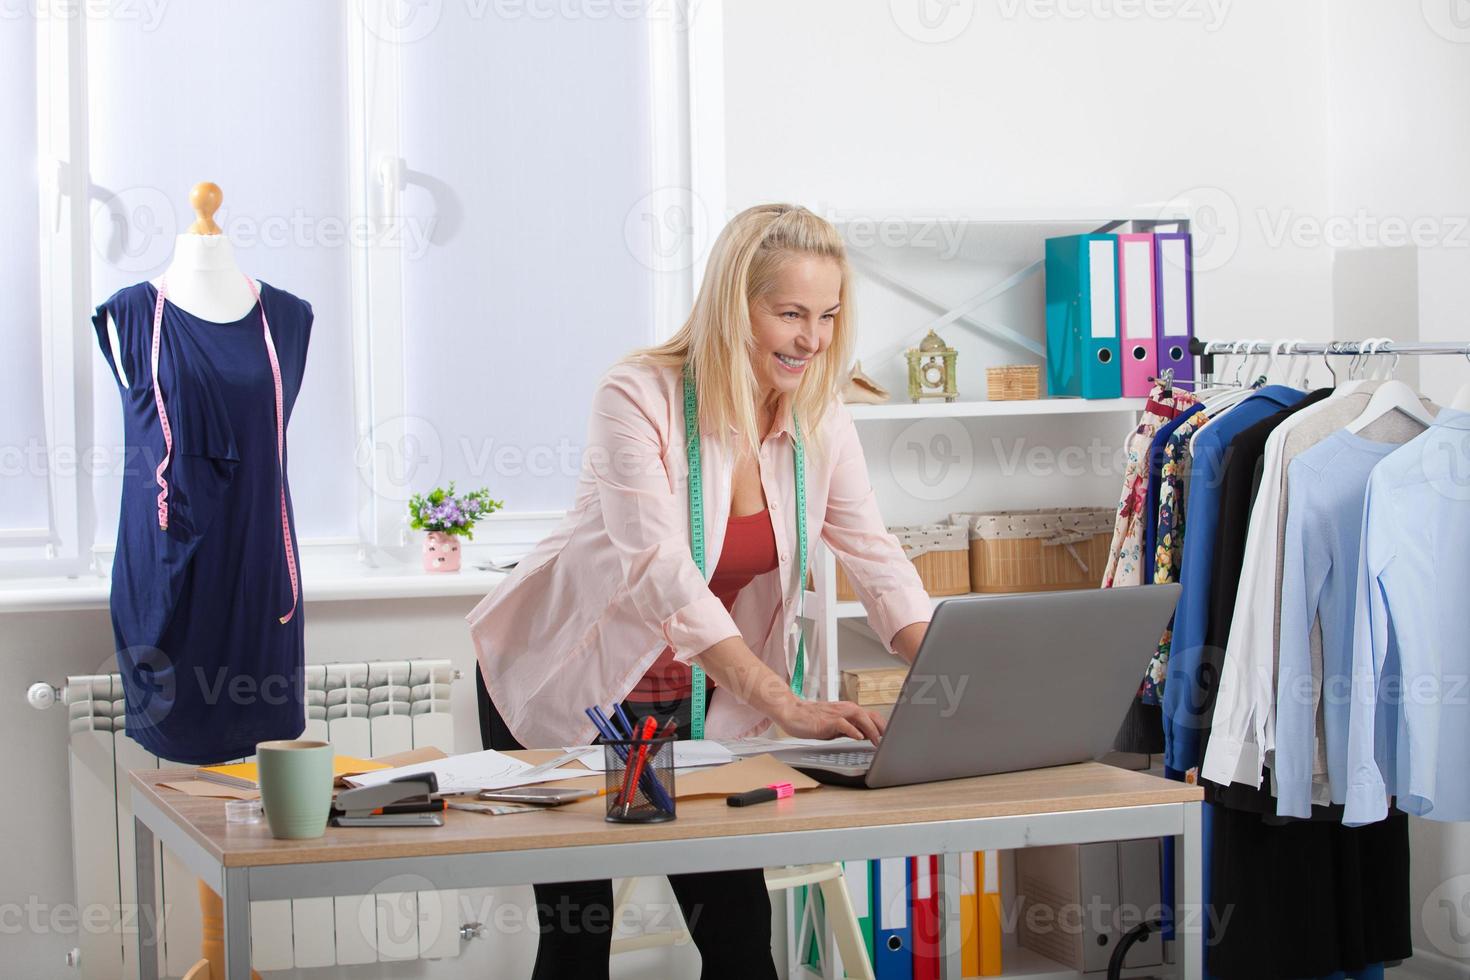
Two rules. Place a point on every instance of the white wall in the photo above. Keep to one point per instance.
(1400, 151)
(833, 105)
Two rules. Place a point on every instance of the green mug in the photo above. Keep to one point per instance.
(295, 787)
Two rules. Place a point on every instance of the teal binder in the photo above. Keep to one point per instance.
(1082, 319)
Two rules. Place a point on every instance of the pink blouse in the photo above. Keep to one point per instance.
(586, 613)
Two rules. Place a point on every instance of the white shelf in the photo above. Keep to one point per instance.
(988, 409)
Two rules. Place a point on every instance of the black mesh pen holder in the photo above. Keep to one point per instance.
(649, 783)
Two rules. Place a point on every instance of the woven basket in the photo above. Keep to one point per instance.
(1013, 382)
(940, 553)
(1038, 550)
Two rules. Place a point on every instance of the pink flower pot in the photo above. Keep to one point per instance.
(441, 552)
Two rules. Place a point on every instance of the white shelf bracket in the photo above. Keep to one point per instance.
(962, 314)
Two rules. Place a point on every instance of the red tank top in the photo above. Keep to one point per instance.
(749, 550)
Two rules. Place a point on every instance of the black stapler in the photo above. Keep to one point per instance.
(403, 802)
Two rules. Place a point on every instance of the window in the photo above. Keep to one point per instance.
(507, 150)
(261, 110)
(525, 291)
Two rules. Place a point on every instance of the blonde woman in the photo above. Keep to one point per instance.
(613, 607)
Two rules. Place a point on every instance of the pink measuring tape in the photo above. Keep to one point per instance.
(168, 436)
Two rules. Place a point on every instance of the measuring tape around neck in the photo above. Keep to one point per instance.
(696, 541)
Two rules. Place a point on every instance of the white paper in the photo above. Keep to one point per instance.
(1138, 290)
(1172, 262)
(1102, 280)
(470, 773)
(687, 754)
(742, 747)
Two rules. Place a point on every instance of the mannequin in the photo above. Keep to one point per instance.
(214, 372)
(203, 279)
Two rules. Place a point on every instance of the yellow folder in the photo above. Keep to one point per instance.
(245, 774)
(970, 862)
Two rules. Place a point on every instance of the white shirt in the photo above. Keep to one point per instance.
(1243, 729)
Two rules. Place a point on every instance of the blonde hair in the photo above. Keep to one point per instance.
(718, 338)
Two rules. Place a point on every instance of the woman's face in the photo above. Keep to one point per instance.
(793, 321)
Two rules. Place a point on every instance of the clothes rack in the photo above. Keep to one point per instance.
(1208, 350)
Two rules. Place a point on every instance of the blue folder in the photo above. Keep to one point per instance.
(892, 929)
(1082, 317)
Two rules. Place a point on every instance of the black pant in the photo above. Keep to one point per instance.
(728, 913)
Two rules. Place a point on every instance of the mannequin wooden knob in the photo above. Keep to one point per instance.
(205, 199)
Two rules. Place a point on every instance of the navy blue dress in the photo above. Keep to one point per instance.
(208, 667)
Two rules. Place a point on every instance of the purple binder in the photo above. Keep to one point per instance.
(1174, 302)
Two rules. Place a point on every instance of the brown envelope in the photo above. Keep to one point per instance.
(211, 790)
(410, 757)
(739, 777)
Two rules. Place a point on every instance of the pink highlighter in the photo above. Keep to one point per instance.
(775, 791)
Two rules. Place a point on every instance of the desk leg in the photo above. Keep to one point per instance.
(951, 929)
(146, 901)
(236, 897)
(1189, 901)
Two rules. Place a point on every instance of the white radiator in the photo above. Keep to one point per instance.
(363, 709)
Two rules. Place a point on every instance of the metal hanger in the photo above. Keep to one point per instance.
(1391, 395)
(1237, 392)
(1297, 379)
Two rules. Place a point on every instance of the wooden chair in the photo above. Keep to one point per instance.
(212, 939)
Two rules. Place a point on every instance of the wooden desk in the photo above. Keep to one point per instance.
(1070, 804)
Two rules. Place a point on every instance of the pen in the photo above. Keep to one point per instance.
(654, 788)
(603, 724)
(775, 791)
(623, 719)
(631, 777)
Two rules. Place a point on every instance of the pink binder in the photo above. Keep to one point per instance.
(1136, 313)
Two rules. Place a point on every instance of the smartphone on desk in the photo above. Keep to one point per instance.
(544, 795)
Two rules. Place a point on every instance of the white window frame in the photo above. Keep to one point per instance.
(64, 216)
(375, 182)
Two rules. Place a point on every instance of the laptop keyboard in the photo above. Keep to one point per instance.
(861, 757)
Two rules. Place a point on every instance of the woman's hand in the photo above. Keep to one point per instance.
(742, 675)
(829, 719)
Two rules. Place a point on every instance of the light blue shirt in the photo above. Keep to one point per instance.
(1319, 580)
(1185, 700)
(1409, 717)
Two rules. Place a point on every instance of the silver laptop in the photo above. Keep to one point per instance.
(1008, 682)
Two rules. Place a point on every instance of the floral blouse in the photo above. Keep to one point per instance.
(1170, 543)
(1125, 553)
